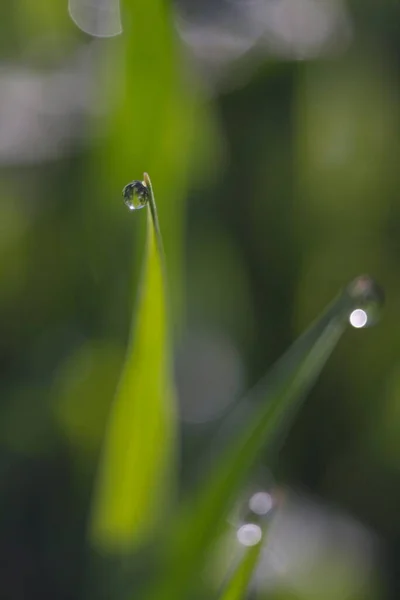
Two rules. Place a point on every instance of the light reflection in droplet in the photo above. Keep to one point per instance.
(261, 503)
(249, 534)
(358, 318)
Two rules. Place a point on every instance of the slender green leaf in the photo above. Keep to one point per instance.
(137, 462)
(153, 121)
(271, 408)
(238, 583)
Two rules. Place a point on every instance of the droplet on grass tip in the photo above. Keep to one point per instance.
(358, 318)
(136, 195)
(369, 298)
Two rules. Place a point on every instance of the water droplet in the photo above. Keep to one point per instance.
(261, 503)
(249, 534)
(136, 195)
(99, 18)
(358, 318)
(369, 298)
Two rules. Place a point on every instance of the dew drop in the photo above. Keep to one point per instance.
(100, 18)
(261, 503)
(249, 534)
(358, 318)
(136, 195)
(368, 298)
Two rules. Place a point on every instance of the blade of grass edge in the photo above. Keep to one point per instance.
(136, 466)
(274, 402)
(239, 581)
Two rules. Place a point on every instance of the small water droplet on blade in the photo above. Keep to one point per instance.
(358, 318)
(249, 534)
(136, 195)
(369, 298)
(261, 503)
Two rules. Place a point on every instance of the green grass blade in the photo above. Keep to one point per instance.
(273, 405)
(137, 461)
(155, 122)
(238, 583)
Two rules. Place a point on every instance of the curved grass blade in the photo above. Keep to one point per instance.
(273, 405)
(238, 581)
(136, 466)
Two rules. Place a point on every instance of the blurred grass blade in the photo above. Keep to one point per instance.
(237, 585)
(259, 421)
(100, 18)
(137, 461)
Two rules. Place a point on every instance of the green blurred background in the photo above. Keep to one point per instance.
(271, 133)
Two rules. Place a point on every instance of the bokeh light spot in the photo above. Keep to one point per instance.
(249, 534)
(261, 503)
(358, 318)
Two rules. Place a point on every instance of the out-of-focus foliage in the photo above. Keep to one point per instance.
(260, 419)
(270, 130)
(238, 584)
